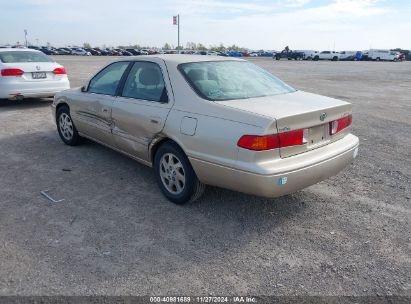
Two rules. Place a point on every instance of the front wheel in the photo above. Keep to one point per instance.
(175, 175)
(66, 128)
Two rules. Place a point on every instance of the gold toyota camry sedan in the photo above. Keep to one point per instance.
(205, 120)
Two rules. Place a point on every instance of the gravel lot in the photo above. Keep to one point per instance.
(115, 234)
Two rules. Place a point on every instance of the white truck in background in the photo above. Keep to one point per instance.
(386, 55)
(328, 55)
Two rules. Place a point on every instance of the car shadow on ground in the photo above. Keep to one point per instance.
(31, 103)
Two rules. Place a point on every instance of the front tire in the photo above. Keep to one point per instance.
(175, 175)
(66, 128)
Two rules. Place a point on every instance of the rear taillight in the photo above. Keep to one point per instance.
(293, 138)
(258, 143)
(11, 72)
(339, 124)
(59, 71)
(273, 141)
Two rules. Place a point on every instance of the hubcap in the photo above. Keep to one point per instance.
(66, 126)
(172, 173)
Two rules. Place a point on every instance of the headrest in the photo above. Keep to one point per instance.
(149, 76)
(208, 87)
(196, 74)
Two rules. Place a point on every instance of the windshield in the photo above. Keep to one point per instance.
(225, 80)
(23, 56)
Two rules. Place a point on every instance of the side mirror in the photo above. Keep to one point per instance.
(84, 89)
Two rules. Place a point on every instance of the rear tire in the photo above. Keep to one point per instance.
(175, 175)
(316, 58)
(66, 128)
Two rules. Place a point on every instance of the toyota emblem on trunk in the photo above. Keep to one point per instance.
(38, 67)
(323, 116)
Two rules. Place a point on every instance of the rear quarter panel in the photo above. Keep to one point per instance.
(215, 138)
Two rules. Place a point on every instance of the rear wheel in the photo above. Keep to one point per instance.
(316, 58)
(66, 128)
(335, 58)
(175, 175)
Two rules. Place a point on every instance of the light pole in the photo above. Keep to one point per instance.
(178, 35)
(176, 21)
(25, 37)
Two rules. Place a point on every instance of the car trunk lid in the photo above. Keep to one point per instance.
(294, 111)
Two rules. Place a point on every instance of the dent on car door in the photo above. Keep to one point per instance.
(93, 113)
(140, 112)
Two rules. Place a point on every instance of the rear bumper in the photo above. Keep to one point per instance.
(34, 89)
(307, 169)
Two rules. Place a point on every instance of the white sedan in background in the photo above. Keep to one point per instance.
(80, 52)
(26, 73)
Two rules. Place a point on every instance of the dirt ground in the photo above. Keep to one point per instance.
(115, 234)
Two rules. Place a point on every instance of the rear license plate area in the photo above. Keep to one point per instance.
(39, 75)
(316, 136)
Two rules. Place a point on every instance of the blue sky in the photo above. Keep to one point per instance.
(256, 24)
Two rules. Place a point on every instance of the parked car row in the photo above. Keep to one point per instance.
(48, 50)
(91, 51)
(372, 54)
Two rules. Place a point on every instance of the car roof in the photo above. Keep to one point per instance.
(18, 50)
(177, 59)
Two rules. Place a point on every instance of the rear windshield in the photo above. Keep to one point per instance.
(225, 80)
(23, 56)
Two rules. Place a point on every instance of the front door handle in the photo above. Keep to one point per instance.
(155, 120)
(104, 110)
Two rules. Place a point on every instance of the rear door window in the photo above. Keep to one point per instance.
(145, 81)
